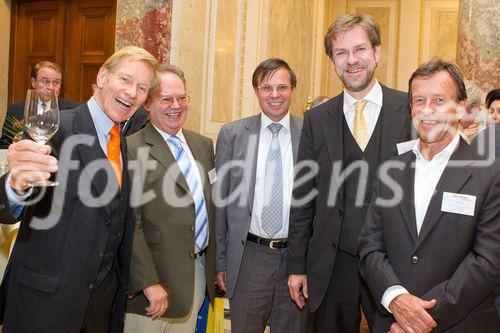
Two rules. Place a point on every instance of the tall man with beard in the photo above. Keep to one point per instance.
(348, 137)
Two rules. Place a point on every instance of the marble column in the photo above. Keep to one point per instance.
(478, 48)
(145, 23)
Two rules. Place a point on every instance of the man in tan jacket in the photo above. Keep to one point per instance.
(173, 255)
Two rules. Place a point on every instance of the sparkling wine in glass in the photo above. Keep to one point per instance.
(41, 120)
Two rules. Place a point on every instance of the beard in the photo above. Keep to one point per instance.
(361, 83)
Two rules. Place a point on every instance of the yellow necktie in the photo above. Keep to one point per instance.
(360, 127)
(114, 152)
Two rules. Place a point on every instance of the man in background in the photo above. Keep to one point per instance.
(347, 137)
(69, 267)
(252, 230)
(46, 77)
(173, 256)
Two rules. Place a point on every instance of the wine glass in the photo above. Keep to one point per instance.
(41, 120)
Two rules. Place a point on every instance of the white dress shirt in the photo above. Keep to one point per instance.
(285, 141)
(185, 146)
(427, 175)
(371, 111)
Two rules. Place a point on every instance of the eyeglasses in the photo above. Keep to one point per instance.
(269, 88)
(47, 82)
(343, 54)
(167, 101)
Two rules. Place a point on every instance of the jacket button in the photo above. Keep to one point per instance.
(108, 222)
(108, 267)
(91, 286)
(414, 259)
(192, 255)
(191, 227)
(100, 254)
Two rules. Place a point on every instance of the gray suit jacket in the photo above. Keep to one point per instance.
(163, 249)
(239, 141)
(454, 259)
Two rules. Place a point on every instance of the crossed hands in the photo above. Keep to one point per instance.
(411, 314)
(157, 296)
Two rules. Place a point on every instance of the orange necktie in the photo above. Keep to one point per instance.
(114, 152)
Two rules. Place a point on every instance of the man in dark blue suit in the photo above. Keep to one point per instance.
(46, 77)
(68, 271)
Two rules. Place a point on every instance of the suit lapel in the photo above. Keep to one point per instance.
(83, 124)
(452, 180)
(333, 132)
(407, 205)
(252, 130)
(161, 152)
(295, 130)
(393, 124)
(201, 157)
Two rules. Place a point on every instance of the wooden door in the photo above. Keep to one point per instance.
(76, 34)
(91, 40)
(37, 34)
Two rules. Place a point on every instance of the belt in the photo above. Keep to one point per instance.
(272, 243)
(199, 254)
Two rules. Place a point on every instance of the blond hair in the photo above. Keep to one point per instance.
(134, 53)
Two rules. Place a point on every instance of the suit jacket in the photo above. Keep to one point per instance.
(239, 141)
(315, 227)
(136, 122)
(163, 249)
(51, 273)
(16, 110)
(455, 257)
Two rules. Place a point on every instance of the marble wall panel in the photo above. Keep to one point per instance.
(145, 23)
(478, 42)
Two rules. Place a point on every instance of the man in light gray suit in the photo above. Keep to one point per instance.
(254, 161)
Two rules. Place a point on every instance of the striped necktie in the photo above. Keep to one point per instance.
(196, 189)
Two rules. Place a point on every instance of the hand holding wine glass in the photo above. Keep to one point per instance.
(41, 121)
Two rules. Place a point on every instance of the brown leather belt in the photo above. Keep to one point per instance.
(271, 243)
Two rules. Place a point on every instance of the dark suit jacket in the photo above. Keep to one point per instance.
(314, 233)
(454, 259)
(51, 273)
(16, 110)
(136, 122)
(164, 235)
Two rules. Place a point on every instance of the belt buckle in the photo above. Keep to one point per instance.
(271, 244)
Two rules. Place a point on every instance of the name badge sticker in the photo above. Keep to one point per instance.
(458, 203)
(212, 176)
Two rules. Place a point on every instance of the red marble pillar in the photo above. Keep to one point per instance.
(146, 23)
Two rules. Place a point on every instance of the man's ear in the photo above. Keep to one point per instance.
(101, 77)
(461, 109)
(33, 83)
(378, 53)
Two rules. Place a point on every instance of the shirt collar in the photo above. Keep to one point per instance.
(374, 96)
(446, 152)
(285, 121)
(101, 120)
(165, 135)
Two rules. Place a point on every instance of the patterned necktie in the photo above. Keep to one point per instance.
(360, 128)
(196, 189)
(272, 212)
(114, 152)
(44, 106)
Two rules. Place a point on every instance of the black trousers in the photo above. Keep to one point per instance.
(346, 294)
(98, 315)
